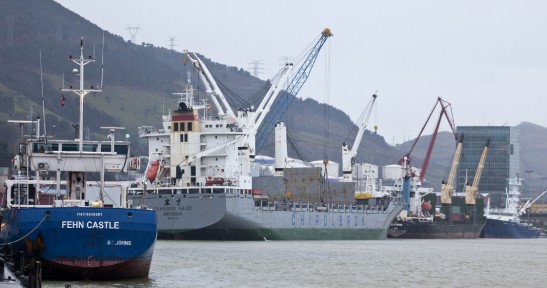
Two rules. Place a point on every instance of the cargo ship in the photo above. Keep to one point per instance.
(205, 182)
(60, 211)
(506, 222)
(466, 222)
(459, 215)
(423, 218)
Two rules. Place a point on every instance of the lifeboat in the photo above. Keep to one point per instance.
(426, 206)
(152, 171)
(216, 181)
(363, 196)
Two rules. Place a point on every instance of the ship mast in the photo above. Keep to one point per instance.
(81, 92)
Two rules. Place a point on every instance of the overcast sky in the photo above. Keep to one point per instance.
(487, 58)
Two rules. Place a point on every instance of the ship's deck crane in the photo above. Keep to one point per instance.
(214, 91)
(529, 203)
(257, 117)
(247, 135)
(448, 115)
(471, 190)
(349, 152)
(266, 104)
(448, 187)
(282, 104)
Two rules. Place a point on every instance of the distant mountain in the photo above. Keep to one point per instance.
(533, 156)
(139, 80)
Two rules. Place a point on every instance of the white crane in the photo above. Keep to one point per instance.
(529, 203)
(208, 80)
(254, 122)
(349, 152)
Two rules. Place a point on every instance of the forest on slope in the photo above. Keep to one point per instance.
(139, 80)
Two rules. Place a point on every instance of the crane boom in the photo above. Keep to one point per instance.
(471, 190)
(448, 115)
(269, 99)
(246, 136)
(282, 104)
(529, 203)
(208, 80)
(348, 153)
(448, 187)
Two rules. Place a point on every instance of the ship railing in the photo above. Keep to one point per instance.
(146, 130)
(265, 205)
(301, 206)
(232, 192)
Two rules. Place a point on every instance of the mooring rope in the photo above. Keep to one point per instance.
(33, 229)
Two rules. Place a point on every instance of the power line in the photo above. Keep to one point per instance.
(133, 30)
(172, 42)
(256, 68)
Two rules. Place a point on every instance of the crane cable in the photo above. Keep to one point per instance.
(326, 119)
(326, 110)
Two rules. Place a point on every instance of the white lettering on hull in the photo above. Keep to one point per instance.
(90, 225)
(332, 221)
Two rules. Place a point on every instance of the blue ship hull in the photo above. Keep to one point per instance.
(508, 229)
(83, 242)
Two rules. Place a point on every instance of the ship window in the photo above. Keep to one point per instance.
(121, 149)
(89, 147)
(182, 126)
(183, 137)
(38, 147)
(70, 147)
(176, 127)
(189, 126)
(52, 147)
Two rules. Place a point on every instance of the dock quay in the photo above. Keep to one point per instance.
(19, 274)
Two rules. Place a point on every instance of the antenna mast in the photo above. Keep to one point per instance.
(43, 101)
(81, 92)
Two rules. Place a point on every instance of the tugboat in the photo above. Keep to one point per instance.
(85, 231)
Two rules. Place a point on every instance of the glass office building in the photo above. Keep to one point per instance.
(502, 161)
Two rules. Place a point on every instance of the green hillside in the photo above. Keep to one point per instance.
(139, 80)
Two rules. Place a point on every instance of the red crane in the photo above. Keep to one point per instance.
(446, 110)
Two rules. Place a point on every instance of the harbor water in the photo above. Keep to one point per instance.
(387, 263)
